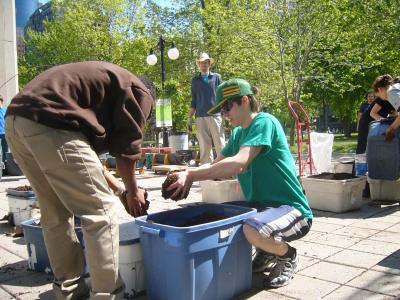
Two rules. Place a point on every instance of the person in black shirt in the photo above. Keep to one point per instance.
(364, 106)
(379, 109)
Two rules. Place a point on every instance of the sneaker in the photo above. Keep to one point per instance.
(263, 261)
(282, 272)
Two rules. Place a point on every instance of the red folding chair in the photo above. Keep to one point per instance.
(302, 122)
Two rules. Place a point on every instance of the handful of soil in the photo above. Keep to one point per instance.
(171, 178)
(124, 200)
(205, 217)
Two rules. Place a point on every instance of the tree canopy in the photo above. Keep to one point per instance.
(320, 52)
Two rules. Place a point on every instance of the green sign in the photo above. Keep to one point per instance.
(163, 113)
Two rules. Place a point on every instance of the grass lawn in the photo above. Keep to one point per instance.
(341, 144)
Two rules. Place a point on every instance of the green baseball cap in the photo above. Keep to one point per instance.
(230, 89)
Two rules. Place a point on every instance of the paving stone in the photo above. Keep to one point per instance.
(378, 282)
(14, 245)
(347, 292)
(386, 236)
(395, 228)
(262, 295)
(305, 262)
(366, 211)
(4, 295)
(312, 235)
(356, 232)
(33, 286)
(324, 227)
(335, 240)
(337, 220)
(390, 265)
(316, 250)
(371, 246)
(303, 287)
(392, 219)
(321, 213)
(332, 272)
(367, 223)
(356, 258)
(11, 266)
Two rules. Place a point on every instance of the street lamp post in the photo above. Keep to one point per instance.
(173, 54)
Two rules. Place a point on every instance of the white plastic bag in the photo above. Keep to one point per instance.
(321, 149)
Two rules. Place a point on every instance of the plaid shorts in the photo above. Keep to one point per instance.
(283, 223)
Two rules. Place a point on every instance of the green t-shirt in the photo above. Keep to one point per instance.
(270, 178)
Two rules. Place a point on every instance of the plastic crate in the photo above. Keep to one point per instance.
(213, 191)
(38, 260)
(206, 261)
(383, 158)
(384, 189)
(334, 195)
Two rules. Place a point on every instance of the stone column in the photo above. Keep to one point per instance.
(8, 51)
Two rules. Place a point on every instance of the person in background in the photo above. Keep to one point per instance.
(258, 154)
(209, 128)
(56, 127)
(378, 109)
(364, 106)
(4, 145)
(392, 94)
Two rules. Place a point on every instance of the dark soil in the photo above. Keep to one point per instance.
(204, 218)
(171, 178)
(23, 188)
(334, 176)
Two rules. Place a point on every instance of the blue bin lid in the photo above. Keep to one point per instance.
(233, 213)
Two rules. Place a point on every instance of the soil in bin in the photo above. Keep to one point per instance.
(22, 188)
(205, 217)
(334, 176)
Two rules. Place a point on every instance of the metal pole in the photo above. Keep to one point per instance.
(162, 47)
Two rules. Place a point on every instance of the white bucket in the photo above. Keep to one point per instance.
(21, 208)
(179, 141)
(131, 266)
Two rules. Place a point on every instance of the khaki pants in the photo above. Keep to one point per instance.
(209, 130)
(67, 178)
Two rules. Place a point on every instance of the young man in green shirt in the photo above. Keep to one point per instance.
(258, 153)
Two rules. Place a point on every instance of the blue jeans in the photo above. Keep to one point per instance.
(4, 146)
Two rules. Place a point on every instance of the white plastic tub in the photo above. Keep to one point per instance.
(131, 265)
(334, 195)
(381, 189)
(213, 191)
(21, 208)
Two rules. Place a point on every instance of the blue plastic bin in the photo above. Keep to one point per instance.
(38, 259)
(206, 261)
(383, 158)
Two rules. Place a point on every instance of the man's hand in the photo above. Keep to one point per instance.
(389, 134)
(189, 124)
(136, 203)
(181, 186)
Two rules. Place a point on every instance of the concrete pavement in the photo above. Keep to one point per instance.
(354, 255)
